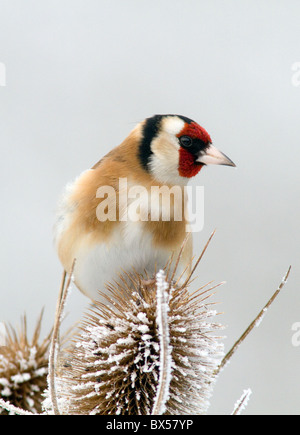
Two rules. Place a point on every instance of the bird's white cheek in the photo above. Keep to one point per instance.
(164, 161)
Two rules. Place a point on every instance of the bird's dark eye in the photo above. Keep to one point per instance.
(186, 141)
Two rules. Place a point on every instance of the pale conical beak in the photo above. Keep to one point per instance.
(212, 156)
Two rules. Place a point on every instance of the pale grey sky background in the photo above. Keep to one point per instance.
(80, 75)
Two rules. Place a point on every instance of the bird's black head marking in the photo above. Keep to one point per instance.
(150, 131)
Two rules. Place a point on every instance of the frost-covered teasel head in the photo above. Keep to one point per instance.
(124, 349)
(23, 368)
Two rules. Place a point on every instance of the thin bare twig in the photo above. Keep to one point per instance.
(255, 322)
(242, 402)
(63, 292)
(179, 256)
(199, 259)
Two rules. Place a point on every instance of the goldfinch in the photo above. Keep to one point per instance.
(99, 221)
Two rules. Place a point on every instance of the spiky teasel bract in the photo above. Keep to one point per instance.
(23, 368)
(117, 363)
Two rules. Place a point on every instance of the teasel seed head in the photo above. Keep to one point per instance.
(23, 367)
(150, 349)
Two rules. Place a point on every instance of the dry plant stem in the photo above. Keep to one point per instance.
(169, 265)
(199, 259)
(165, 357)
(255, 322)
(52, 352)
(54, 341)
(179, 256)
(242, 402)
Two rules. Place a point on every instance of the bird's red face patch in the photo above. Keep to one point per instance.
(195, 131)
(188, 167)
